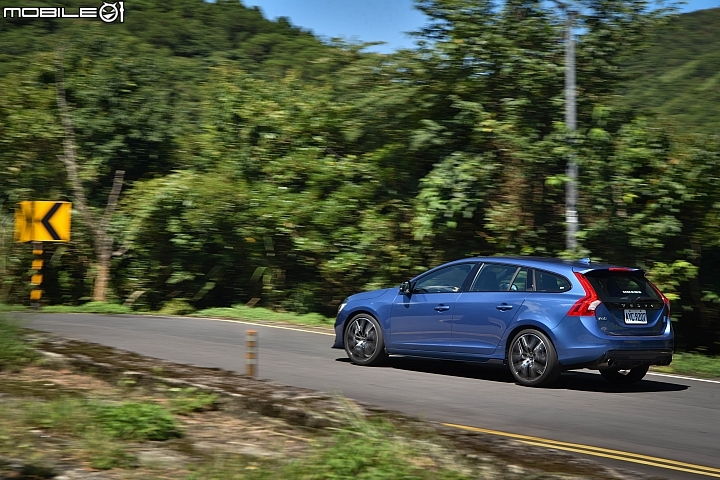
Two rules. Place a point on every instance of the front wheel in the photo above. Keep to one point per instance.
(364, 342)
(625, 376)
(533, 359)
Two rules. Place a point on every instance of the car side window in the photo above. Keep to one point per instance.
(550, 283)
(447, 280)
(522, 282)
(494, 278)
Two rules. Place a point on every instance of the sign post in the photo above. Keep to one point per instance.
(36, 278)
(39, 222)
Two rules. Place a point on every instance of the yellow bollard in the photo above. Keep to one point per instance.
(251, 353)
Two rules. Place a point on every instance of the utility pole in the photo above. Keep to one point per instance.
(571, 187)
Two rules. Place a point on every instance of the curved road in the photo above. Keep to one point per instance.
(671, 418)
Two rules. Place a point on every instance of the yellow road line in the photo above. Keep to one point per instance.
(700, 470)
(598, 451)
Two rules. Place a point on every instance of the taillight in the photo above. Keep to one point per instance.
(665, 300)
(586, 305)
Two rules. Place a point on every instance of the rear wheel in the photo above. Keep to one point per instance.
(625, 376)
(364, 342)
(533, 359)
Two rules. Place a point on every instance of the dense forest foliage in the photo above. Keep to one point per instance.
(678, 79)
(263, 165)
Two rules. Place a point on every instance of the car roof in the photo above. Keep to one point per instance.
(584, 265)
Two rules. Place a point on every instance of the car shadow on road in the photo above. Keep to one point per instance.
(494, 373)
(586, 381)
(583, 381)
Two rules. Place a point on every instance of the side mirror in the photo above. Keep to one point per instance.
(405, 288)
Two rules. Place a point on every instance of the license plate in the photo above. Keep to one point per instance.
(636, 317)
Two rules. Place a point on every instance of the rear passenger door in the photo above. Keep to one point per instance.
(483, 313)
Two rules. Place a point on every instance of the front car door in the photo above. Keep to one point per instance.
(422, 319)
(483, 313)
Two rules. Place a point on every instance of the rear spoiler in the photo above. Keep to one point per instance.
(610, 268)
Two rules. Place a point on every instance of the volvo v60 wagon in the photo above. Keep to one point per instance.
(538, 316)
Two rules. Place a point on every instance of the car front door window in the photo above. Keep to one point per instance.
(447, 280)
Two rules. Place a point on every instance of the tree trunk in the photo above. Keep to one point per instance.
(101, 280)
(103, 243)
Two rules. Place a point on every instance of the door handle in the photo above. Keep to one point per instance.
(442, 308)
(504, 307)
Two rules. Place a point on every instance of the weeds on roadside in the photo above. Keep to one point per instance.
(185, 401)
(374, 450)
(358, 449)
(12, 308)
(100, 430)
(103, 451)
(259, 313)
(176, 306)
(137, 421)
(128, 421)
(90, 307)
(14, 351)
(182, 307)
(697, 364)
(65, 415)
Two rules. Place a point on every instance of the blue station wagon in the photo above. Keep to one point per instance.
(539, 316)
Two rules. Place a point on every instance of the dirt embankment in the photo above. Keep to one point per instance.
(252, 418)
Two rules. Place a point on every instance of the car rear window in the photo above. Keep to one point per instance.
(550, 283)
(618, 286)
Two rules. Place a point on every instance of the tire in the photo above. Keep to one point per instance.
(626, 376)
(364, 341)
(533, 360)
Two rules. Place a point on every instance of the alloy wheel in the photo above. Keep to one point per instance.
(362, 339)
(529, 357)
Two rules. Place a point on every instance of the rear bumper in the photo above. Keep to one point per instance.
(581, 344)
(629, 359)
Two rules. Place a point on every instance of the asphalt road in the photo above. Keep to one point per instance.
(670, 418)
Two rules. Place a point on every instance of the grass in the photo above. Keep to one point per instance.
(63, 415)
(240, 312)
(14, 351)
(90, 307)
(359, 449)
(138, 421)
(374, 450)
(103, 451)
(264, 314)
(100, 432)
(12, 308)
(693, 364)
(107, 435)
(185, 401)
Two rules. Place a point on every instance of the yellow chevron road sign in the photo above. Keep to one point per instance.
(23, 222)
(42, 222)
